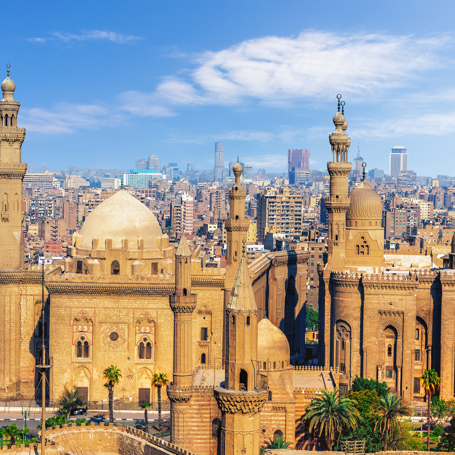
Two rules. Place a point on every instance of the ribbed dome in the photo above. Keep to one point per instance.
(121, 217)
(273, 346)
(8, 85)
(365, 204)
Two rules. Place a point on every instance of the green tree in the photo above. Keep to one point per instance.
(69, 401)
(365, 401)
(430, 381)
(159, 379)
(12, 432)
(311, 319)
(329, 414)
(145, 406)
(359, 384)
(447, 441)
(112, 375)
(389, 410)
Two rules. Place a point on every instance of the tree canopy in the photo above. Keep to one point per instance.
(360, 384)
(311, 319)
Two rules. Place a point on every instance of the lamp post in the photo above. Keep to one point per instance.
(25, 412)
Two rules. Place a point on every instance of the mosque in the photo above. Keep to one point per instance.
(124, 296)
(389, 324)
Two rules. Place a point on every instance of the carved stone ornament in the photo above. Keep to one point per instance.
(240, 402)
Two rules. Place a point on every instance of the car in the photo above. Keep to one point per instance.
(425, 427)
(79, 411)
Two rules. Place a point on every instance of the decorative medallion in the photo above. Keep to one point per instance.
(114, 336)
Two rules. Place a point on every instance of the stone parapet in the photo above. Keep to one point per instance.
(58, 436)
(233, 402)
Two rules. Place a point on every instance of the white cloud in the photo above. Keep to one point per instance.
(312, 65)
(104, 35)
(65, 118)
(37, 40)
(432, 124)
(269, 161)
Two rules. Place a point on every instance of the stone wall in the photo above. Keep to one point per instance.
(104, 440)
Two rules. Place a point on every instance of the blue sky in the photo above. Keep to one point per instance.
(105, 83)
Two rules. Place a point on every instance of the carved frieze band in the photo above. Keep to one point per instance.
(244, 403)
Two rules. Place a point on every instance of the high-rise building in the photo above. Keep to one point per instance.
(153, 163)
(281, 210)
(141, 164)
(182, 214)
(219, 161)
(298, 158)
(398, 161)
(299, 175)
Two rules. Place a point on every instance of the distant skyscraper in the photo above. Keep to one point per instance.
(153, 163)
(298, 158)
(141, 164)
(219, 161)
(398, 161)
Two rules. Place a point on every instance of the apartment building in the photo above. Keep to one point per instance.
(278, 208)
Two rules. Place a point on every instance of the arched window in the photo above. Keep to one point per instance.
(148, 350)
(277, 435)
(243, 380)
(417, 334)
(236, 217)
(79, 349)
(270, 395)
(86, 349)
(6, 120)
(216, 428)
(184, 291)
(264, 366)
(115, 268)
(141, 350)
(154, 268)
(233, 319)
(247, 320)
(203, 359)
(282, 364)
(274, 365)
(342, 345)
(389, 350)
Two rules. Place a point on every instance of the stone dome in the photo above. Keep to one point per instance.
(8, 85)
(273, 346)
(121, 217)
(365, 204)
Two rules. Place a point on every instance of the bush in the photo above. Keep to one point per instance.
(360, 384)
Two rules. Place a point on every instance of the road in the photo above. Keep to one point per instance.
(128, 418)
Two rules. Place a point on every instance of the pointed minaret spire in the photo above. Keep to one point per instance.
(183, 249)
(242, 294)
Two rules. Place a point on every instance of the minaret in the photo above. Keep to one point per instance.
(236, 226)
(242, 398)
(337, 203)
(12, 173)
(182, 303)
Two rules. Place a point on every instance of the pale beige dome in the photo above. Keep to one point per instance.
(237, 167)
(365, 204)
(273, 346)
(8, 85)
(121, 217)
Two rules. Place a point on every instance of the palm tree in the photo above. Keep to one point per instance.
(330, 413)
(277, 443)
(112, 375)
(159, 379)
(145, 406)
(389, 410)
(13, 433)
(430, 381)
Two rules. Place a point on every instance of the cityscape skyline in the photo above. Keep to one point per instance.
(181, 94)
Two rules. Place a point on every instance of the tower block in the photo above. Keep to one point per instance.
(182, 303)
(12, 173)
(337, 203)
(242, 397)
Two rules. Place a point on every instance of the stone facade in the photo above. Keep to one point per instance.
(385, 324)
